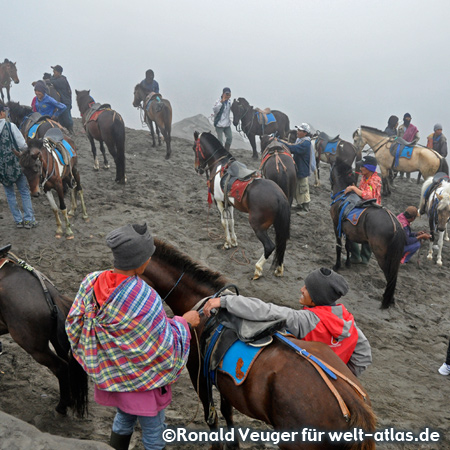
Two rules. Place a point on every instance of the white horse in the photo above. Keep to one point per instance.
(437, 208)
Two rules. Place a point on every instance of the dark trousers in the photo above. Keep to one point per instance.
(65, 119)
(447, 361)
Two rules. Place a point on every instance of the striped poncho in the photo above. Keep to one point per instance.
(128, 344)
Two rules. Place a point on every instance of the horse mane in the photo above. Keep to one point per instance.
(243, 101)
(214, 142)
(198, 272)
(17, 108)
(374, 130)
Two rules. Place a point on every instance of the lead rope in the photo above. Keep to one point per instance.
(198, 378)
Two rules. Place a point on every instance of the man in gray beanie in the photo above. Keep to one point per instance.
(120, 334)
(437, 141)
(320, 320)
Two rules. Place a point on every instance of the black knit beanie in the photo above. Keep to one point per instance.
(325, 286)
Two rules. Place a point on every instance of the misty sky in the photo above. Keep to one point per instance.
(335, 64)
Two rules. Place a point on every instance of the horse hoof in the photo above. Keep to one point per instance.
(61, 410)
(106, 166)
(70, 237)
(256, 277)
(439, 263)
(86, 219)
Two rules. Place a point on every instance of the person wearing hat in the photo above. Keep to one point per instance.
(303, 153)
(406, 218)
(369, 187)
(322, 319)
(44, 104)
(222, 120)
(391, 129)
(409, 133)
(437, 141)
(122, 337)
(12, 143)
(149, 83)
(64, 90)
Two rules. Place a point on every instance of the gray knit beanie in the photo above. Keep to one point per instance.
(325, 286)
(438, 126)
(131, 245)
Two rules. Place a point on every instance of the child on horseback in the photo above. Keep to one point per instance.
(322, 319)
(121, 336)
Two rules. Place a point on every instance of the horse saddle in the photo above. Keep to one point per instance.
(324, 141)
(264, 116)
(236, 171)
(55, 140)
(95, 109)
(400, 149)
(153, 96)
(32, 123)
(437, 179)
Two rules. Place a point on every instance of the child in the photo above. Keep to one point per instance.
(121, 336)
(322, 319)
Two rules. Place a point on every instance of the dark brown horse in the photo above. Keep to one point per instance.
(263, 200)
(248, 116)
(8, 72)
(277, 164)
(107, 127)
(376, 225)
(282, 389)
(42, 167)
(156, 109)
(35, 318)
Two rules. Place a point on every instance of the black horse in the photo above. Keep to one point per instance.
(376, 225)
(251, 126)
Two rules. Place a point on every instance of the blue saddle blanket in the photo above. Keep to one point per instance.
(33, 130)
(270, 118)
(406, 152)
(68, 148)
(238, 360)
(331, 147)
(354, 215)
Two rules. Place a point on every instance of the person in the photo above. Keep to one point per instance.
(62, 86)
(445, 368)
(46, 105)
(369, 187)
(406, 218)
(149, 83)
(120, 334)
(391, 129)
(222, 120)
(437, 141)
(409, 133)
(302, 152)
(321, 319)
(12, 142)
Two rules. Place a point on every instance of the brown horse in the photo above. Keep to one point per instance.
(33, 312)
(427, 161)
(8, 72)
(263, 200)
(282, 389)
(376, 225)
(248, 116)
(158, 110)
(107, 127)
(277, 164)
(43, 167)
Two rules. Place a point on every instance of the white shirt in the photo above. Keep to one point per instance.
(225, 120)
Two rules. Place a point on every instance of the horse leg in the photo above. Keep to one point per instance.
(94, 151)
(252, 139)
(105, 160)
(440, 244)
(158, 133)
(337, 265)
(152, 131)
(446, 233)
(269, 247)
(227, 412)
(167, 139)
(430, 250)
(226, 217)
(78, 190)
(62, 206)
(59, 230)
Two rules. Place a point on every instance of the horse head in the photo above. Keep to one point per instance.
(140, 94)
(11, 69)
(18, 112)
(358, 140)
(341, 176)
(239, 108)
(31, 162)
(83, 100)
(200, 159)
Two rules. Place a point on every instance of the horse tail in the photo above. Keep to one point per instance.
(119, 135)
(443, 166)
(282, 225)
(392, 262)
(78, 386)
(363, 418)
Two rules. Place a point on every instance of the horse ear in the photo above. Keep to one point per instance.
(195, 135)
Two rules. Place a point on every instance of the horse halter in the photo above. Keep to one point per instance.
(200, 167)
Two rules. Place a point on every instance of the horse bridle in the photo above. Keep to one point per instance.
(383, 141)
(198, 150)
(243, 115)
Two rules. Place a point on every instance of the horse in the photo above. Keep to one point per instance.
(104, 125)
(262, 199)
(33, 312)
(277, 164)
(8, 72)
(437, 208)
(247, 115)
(273, 391)
(20, 114)
(423, 159)
(158, 110)
(43, 167)
(376, 225)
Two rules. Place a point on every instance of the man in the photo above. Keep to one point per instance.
(12, 142)
(437, 141)
(369, 187)
(302, 153)
(120, 334)
(222, 120)
(149, 83)
(409, 133)
(61, 84)
(46, 105)
(321, 320)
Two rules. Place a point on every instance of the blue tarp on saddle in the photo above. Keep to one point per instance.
(354, 215)
(270, 118)
(331, 147)
(33, 130)
(402, 152)
(68, 148)
(238, 360)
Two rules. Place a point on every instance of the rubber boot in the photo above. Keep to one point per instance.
(355, 253)
(227, 146)
(366, 253)
(305, 207)
(119, 441)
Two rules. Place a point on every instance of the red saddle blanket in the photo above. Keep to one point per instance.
(238, 188)
(95, 115)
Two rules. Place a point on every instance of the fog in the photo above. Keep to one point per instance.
(333, 64)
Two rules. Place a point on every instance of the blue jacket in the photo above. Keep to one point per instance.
(48, 106)
(302, 155)
(151, 87)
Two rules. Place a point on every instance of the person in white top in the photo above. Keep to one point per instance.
(222, 121)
